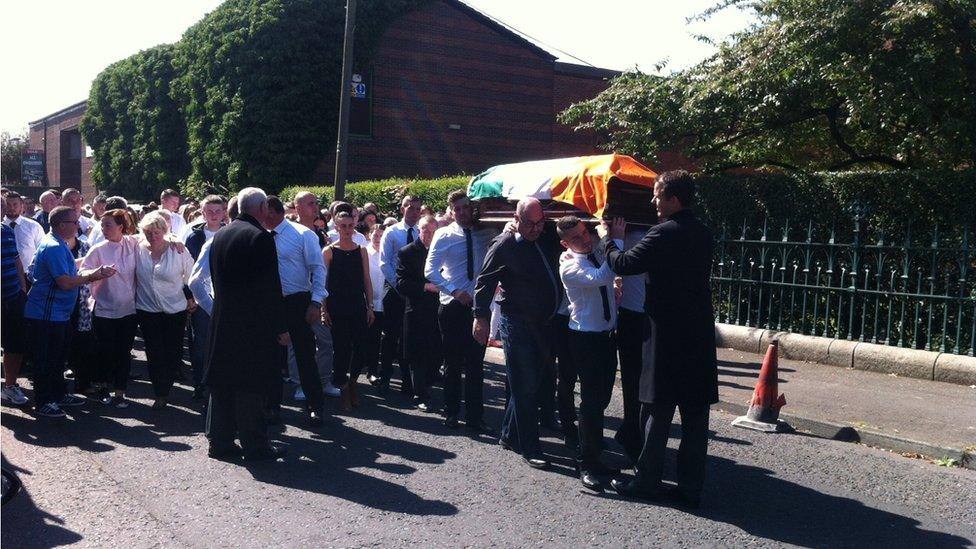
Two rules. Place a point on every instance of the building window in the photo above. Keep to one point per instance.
(361, 106)
(74, 145)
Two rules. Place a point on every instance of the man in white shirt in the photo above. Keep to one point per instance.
(169, 200)
(214, 209)
(632, 330)
(72, 198)
(453, 263)
(307, 208)
(592, 316)
(302, 273)
(98, 210)
(29, 232)
(394, 238)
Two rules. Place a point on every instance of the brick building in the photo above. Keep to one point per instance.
(448, 91)
(67, 160)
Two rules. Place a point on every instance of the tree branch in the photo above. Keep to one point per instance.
(855, 157)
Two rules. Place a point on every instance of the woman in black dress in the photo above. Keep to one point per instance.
(348, 310)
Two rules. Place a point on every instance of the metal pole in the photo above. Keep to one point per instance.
(340, 167)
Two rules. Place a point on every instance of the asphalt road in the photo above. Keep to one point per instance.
(387, 476)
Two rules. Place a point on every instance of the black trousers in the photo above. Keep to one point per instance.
(391, 348)
(303, 343)
(113, 349)
(557, 392)
(421, 345)
(348, 343)
(374, 338)
(81, 358)
(236, 414)
(462, 356)
(594, 354)
(163, 334)
(692, 451)
(632, 328)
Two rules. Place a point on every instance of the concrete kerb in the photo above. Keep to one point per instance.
(886, 359)
(955, 369)
(849, 433)
(895, 360)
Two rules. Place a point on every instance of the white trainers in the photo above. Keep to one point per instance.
(299, 394)
(331, 390)
(13, 395)
(50, 410)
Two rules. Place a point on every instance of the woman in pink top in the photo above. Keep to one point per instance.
(115, 302)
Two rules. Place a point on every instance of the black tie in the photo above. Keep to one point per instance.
(409, 235)
(603, 290)
(13, 224)
(470, 249)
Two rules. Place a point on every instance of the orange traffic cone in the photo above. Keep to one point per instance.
(763, 414)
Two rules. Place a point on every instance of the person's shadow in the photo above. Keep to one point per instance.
(768, 507)
(23, 524)
(331, 462)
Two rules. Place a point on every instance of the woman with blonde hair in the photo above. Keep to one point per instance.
(162, 303)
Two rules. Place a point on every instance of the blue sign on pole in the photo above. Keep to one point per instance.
(358, 90)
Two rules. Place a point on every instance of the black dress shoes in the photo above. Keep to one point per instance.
(229, 453)
(538, 462)
(452, 422)
(271, 453)
(630, 489)
(590, 481)
(507, 445)
(480, 428)
(315, 418)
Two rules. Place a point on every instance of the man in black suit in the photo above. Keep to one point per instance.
(247, 331)
(421, 337)
(679, 354)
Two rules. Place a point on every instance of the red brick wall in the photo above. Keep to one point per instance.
(569, 89)
(438, 67)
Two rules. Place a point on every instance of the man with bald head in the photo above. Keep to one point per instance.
(531, 294)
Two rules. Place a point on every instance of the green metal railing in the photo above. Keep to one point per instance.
(917, 291)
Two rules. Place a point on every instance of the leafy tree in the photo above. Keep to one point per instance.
(812, 85)
(259, 82)
(12, 148)
(135, 128)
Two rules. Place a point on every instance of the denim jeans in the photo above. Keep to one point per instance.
(48, 344)
(528, 349)
(200, 322)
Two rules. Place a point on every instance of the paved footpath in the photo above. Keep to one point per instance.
(388, 476)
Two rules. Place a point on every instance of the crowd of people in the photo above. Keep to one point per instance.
(263, 292)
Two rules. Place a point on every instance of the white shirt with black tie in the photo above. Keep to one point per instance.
(447, 260)
(583, 281)
(394, 238)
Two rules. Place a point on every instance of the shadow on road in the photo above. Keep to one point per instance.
(338, 462)
(24, 525)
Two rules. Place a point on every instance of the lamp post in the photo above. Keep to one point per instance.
(343, 139)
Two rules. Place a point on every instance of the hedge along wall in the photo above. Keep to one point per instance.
(387, 193)
(893, 200)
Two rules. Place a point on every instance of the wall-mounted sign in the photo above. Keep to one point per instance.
(32, 166)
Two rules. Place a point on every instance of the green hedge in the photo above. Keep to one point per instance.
(893, 199)
(387, 193)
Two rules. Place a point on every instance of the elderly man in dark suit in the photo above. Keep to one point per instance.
(247, 331)
(679, 355)
(421, 337)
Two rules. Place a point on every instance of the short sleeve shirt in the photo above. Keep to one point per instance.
(46, 301)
